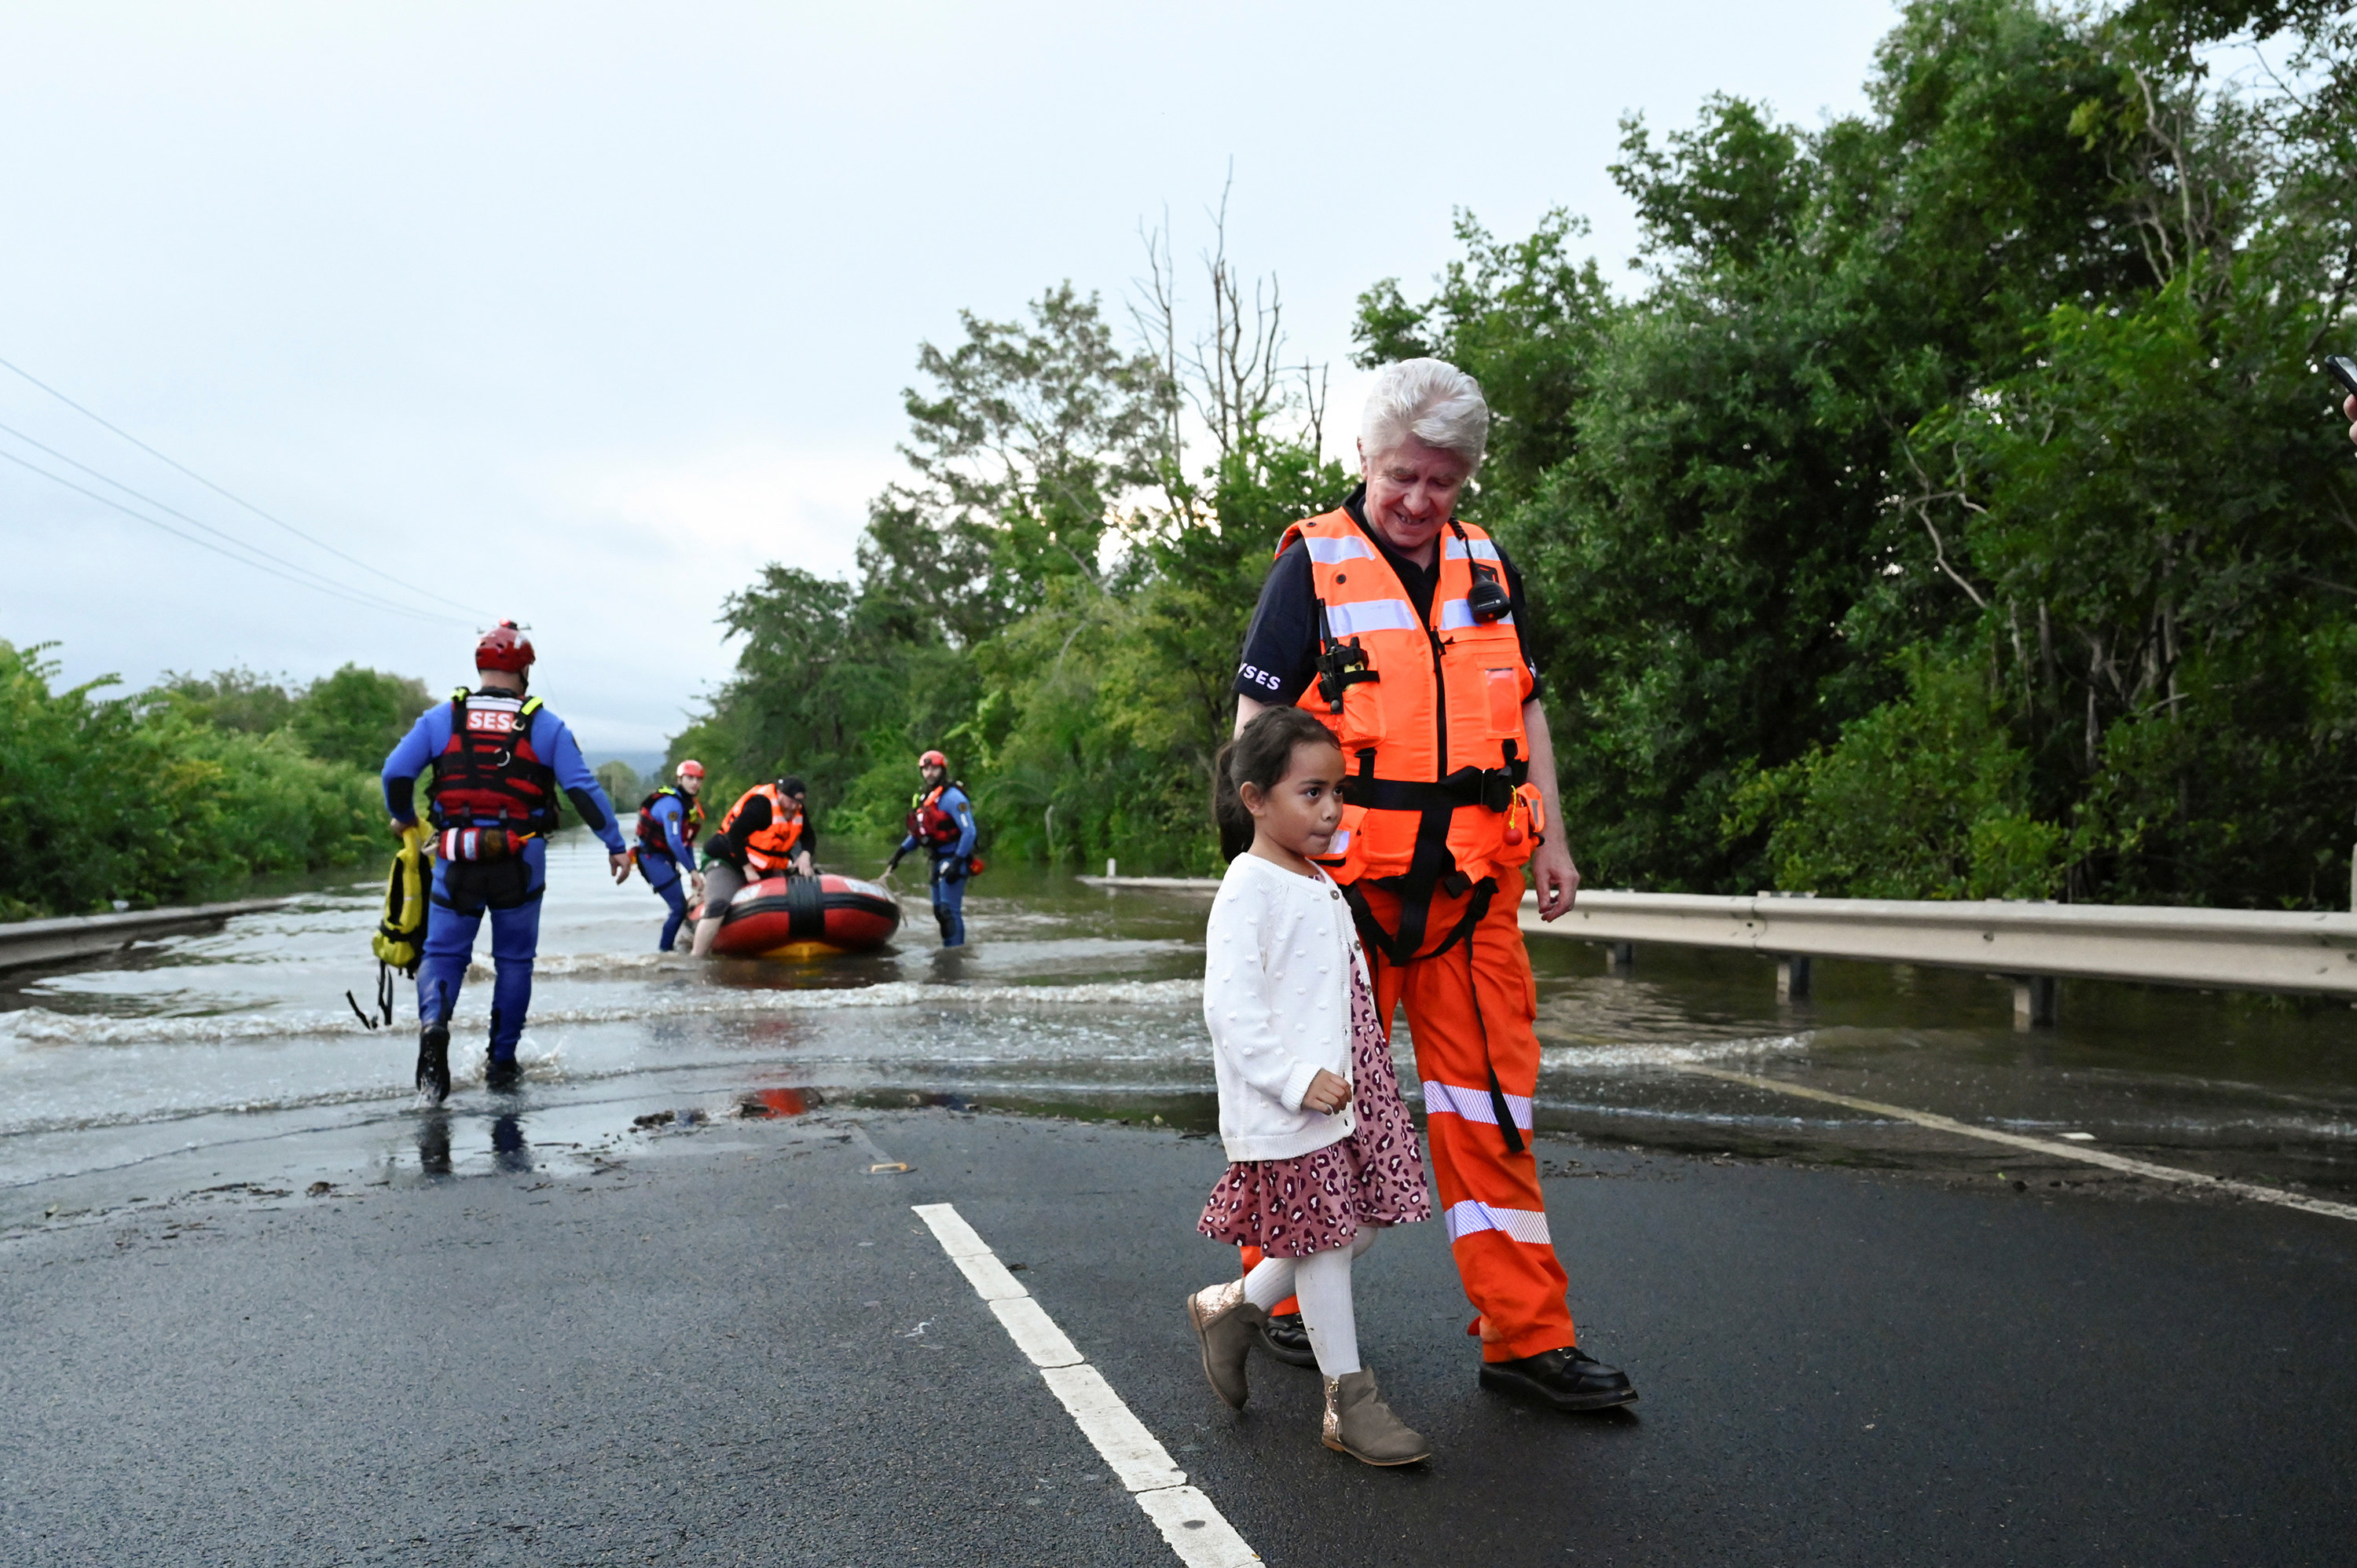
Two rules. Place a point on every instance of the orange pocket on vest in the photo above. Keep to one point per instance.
(1345, 858)
(1505, 691)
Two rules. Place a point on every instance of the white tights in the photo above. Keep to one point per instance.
(1322, 1281)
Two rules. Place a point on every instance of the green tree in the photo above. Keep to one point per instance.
(1728, 540)
(1021, 450)
(621, 783)
(231, 699)
(356, 717)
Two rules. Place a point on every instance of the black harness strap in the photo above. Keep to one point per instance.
(1399, 950)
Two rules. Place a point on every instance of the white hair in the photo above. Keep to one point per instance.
(1430, 399)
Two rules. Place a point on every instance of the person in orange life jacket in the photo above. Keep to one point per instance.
(1404, 631)
(669, 818)
(766, 834)
(941, 821)
(498, 759)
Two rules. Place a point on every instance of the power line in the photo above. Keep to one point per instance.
(205, 544)
(232, 496)
(358, 595)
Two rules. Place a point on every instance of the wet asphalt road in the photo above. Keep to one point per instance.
(712, 1353)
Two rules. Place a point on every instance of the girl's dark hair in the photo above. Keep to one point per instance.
(1260, 756)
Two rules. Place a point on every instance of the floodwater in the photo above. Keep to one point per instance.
(233, 1056)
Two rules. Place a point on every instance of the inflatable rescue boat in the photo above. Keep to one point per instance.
(795, 917)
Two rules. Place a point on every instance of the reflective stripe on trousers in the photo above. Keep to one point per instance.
(1473, 1104)
(1496, 1218)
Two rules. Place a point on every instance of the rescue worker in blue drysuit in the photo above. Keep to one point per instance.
(941, 820)
(498, 760)
(669, 819)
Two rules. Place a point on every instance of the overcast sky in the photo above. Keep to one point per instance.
(580, 313)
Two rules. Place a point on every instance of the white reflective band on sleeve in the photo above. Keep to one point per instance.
(1480, 549)
(1527, 1226)
(1456, 615)
(1473, 1104)
(1373, 615)
(1333, 552)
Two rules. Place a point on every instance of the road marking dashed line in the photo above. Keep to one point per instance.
(1196, 1530)
(2078, 1152)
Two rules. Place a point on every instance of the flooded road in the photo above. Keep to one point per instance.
(233, 1056)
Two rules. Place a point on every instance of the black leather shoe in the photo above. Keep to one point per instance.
(1287, 1340)
(434, 1063)
(1568, 1379)
(503, 1074)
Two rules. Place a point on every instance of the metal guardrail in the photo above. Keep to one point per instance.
(2030, 944)
(26, 942)
(2242, 950)
(1182, 884)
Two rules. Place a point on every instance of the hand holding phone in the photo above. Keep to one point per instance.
(2343, 368)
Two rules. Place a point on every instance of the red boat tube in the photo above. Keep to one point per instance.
(789, 916)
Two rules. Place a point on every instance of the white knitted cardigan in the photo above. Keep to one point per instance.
(1278, 957)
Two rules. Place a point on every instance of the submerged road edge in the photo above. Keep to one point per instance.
(1194, 1527)
(2085, 1157)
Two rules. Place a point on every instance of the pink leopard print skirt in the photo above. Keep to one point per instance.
(1290, 1208)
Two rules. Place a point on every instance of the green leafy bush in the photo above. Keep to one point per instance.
(138, 799)
(1927, 797)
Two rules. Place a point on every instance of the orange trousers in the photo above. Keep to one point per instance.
(1489, 1195)
(1472, 1011)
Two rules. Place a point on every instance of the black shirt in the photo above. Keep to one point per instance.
(730, 846)
(1281, 648)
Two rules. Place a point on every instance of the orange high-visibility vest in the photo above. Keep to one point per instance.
(773, 846)
(1429, 714)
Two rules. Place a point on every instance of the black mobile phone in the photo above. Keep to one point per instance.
(2343, 368)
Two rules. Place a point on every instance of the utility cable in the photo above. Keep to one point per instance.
(358, 596)
(241, 500)
(207, 544)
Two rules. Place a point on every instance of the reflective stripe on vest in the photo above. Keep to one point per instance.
(1448, 703)
(1374, 615)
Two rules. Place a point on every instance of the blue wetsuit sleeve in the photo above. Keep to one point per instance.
(573, 777)
(670, 814)
(963, 809)
(408, 761)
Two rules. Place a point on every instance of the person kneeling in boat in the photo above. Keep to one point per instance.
(498, 759)
(940, 819)
(766, 834)
(669, 819)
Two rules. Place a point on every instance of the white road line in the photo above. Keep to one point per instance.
(1195, 1529)
(2079, 1153)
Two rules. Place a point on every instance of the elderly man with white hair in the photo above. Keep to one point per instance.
(1404, 631)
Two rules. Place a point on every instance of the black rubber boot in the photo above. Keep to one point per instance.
(1285, 1338)
(434, 1063)
(504, 1074)
(1568, 1379)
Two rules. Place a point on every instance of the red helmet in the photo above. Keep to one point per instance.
(504, 646)
(933, 759)
(691, 768)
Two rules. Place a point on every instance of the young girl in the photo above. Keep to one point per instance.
(1309, 1107)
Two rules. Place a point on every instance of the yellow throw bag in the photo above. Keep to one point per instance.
(401, 933)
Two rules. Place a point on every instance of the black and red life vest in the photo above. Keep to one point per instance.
(489, 772)
(650, 834)
(929, 822)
